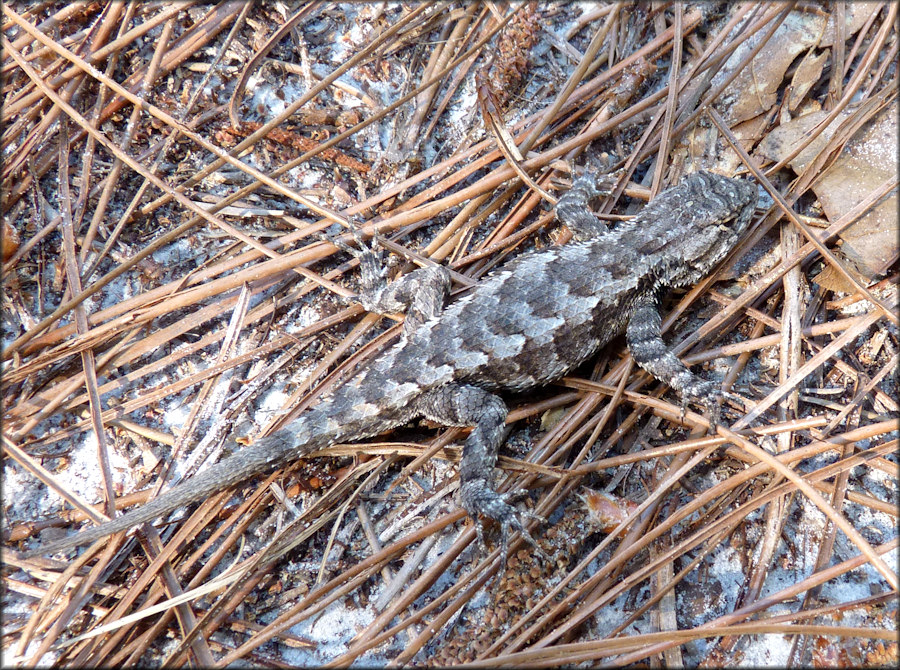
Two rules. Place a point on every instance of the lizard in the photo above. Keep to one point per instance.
(524, 325)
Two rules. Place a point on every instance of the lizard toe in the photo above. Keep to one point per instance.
(478, 498)
(706, 394)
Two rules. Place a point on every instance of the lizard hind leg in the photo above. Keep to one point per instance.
(466, 405)
(421, 294)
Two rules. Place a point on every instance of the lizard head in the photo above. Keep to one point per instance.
(716, 211)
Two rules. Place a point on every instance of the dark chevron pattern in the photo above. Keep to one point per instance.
(530, 322)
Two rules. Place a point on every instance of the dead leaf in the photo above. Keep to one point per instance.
(867, 161)
(806, 75)
(606, 511)
(758, 83)
(855, 16)
(9, 241)
(756, 87)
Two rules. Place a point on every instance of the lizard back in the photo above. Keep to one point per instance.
(546, 312)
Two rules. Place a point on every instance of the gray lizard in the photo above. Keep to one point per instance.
(525, 325)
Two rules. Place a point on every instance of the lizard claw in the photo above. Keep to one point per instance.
(372, 267)
(372, 248)
(478, 498)
(707, 394)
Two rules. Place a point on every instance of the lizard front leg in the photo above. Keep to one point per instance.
(645, 342)
(572, 208)
(421, 294)
(466, 405)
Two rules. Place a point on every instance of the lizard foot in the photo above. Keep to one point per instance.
(706, 394)
(364, 247)
(369, 254)
(478, 497)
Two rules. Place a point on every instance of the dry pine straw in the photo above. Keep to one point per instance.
(119, 348)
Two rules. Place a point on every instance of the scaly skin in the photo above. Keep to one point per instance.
(525, 325)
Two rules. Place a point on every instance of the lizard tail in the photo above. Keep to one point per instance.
(263, 456)
(375, 401)
(334, 420)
